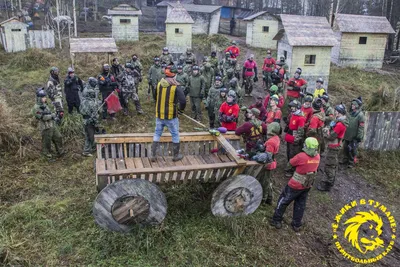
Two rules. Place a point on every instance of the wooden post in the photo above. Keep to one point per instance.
(74, 11)
(58, 24)
(85, 9)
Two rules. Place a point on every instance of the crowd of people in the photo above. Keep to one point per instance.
(312, 127)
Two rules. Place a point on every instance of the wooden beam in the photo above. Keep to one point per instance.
(230, 150)
(101, 173)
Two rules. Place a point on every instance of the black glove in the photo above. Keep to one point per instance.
(296, 88)
(255, 79)
(285, 120)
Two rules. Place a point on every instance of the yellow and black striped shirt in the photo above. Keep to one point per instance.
(167, 99)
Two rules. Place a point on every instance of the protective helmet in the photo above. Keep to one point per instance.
(251, 56)
(227, 54)
(262, 158)
(274, 128)
(233, 60)
(218, 78)
(40, 92)
(232, 93)
(325, 97)
(255, 111)
(357, 101)
(341, 109)
(195, 67)
(92, 81)
(106, 67)
(179, 67)
(229, 71)
(213, 53)
(320, 80)
(205, 59)
(275, 98)
(274, 89)
(189, 61)
(308, 98)
(181, 57)
(282, 59)
(298, 70)
(53, 70)
(295, 104)
(317, 104)
(311, 143)
(134, 56)
(233, 83)
(128, 65)
(163, 65)
(189, 50)
(165, 49)
(156, 59)
(234, 42)
(70, 70)
(223, 90)
(269, 52)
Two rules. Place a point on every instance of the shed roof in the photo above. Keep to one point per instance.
(197, 8)
(364, 24)
(306, 31)
(255, 15)
(179, 14)
(166, 2)
(93, 45)
(12, 20)
(124, 10)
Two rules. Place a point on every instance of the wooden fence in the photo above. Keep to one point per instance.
(41, 39)
(382, 131)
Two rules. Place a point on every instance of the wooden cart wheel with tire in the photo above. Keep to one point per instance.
(125, 203)
(127, 180)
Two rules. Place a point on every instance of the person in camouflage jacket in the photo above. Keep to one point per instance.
(50, 133)
(128, 90)
(54, 92)
(214, 63)
(166, 57)
(354, 132)
(208, 74)
(137, 71)
(89, 110)
(154, 77)
(183, 79)
(225, 64)
(212, 99)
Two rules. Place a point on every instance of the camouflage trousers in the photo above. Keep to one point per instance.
(249, 84)
(265, 178)
(90, 145)
(125, 96)
(267, 80)
(331, 165)
(51, 135)
(196, 108)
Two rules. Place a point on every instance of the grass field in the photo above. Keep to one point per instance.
(45, 208)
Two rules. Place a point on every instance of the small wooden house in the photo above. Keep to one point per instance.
(162, 10)
(261, 29)
(206, 18)
(14, 35)
(178, 30)
(361, 40)
(125, 22)
(306, 42)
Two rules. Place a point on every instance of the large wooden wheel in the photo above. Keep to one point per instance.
(239, 195)
(127, 202)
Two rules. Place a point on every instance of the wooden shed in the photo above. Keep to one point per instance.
(261, 29)
(92, 45)
(14, 35)
(361, 40)
(306, 42)
(125, 22)
(206, 18)
(178, 29)
(162, 10)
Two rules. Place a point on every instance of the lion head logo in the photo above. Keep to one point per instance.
(371, 226)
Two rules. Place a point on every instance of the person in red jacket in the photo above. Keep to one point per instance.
(268, 69)
(296, 85)
(274, 90)
(334, 136)
(249, 75)
(274, 114)
(259, 105)
(253, 131)
(294, 133)
(306, 108)
(271, 147)
(229, 112)
(233, 50)
(306, 164)
(317, 123)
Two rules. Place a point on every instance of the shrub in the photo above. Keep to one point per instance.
(33, 59)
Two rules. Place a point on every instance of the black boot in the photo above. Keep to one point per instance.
(323, 186)
(176, 148)
(154, 149)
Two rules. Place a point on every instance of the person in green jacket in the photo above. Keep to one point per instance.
(225, 64)
(190, 56)
(188, 67)
(196, 89)
(208, 74)
(354, 132)
(166, 57)
(214, 63)
(89, 111)
(183, 79)
(212, 99)
(50, 133)
(154, 77)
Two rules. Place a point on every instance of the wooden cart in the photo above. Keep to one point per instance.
(127, 180)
